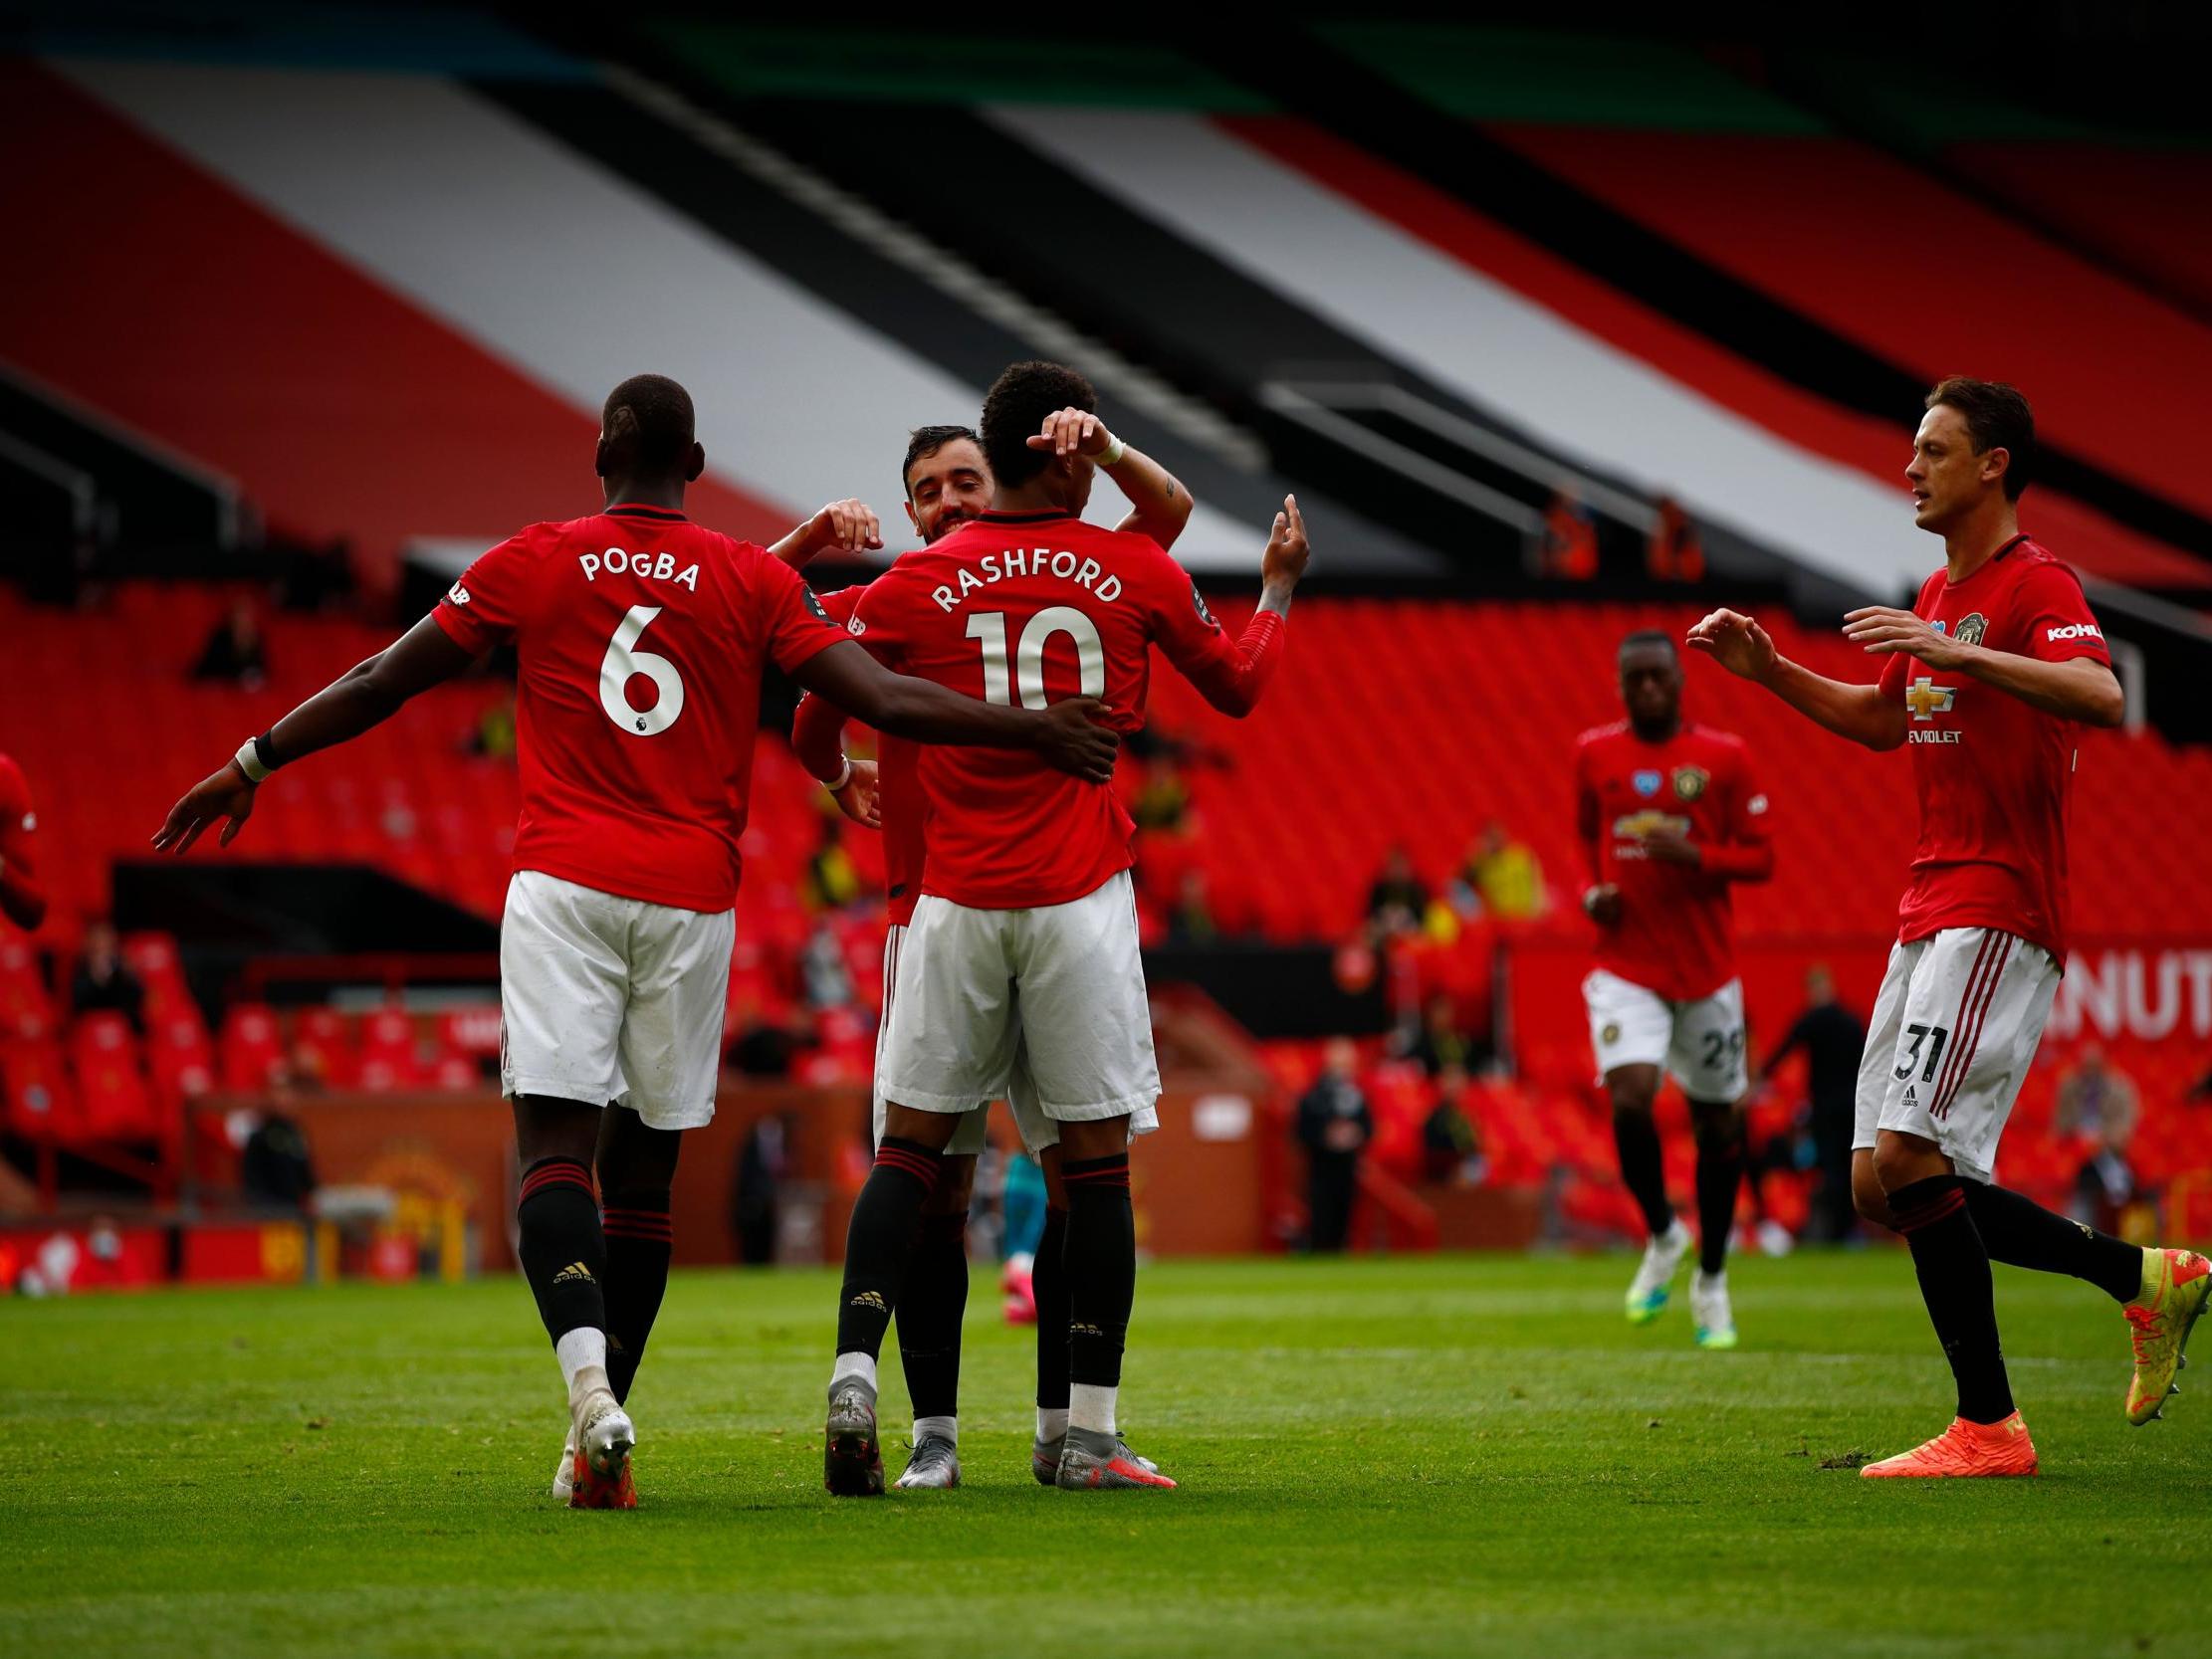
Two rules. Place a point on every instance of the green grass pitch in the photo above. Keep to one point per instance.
(1449, 1455)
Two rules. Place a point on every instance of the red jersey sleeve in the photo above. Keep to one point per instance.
(487, 605)
(797, 627)
(2061, 626)
(818, 728)
(1748, 854)
(1229, 674)
(1587, 819)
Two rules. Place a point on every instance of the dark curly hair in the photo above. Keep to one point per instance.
(1014, 410)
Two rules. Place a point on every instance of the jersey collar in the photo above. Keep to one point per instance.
(992, 515)
(638, 509)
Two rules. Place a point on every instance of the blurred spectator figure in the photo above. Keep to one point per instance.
(1191, 921)
(1503, 876)
(764, 1049)
(1832, 1038)
(2100, 1105)
(1440, 1046)
(1569, 550)
(1396, 901)
(1334, 1126)
(494, 736)
(761, 1164)
(103, 981)
(1162, 799)
(234, 650)
(823, 971)
(273, 1168)
(1451, 1149)
(832, 879)
(1673, 554)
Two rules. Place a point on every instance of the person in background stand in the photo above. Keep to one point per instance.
(1334, 1126)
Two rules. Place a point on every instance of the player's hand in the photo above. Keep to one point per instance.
(1073, 432)
(849, 526)
(1671, 846)
(1885, 631)
(859, 799)
(1076, 741)
(226, 794)
(1736, 643)
(1602, 903)
(1284, 561)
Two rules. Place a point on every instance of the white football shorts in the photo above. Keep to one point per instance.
(610, 1000)
(1045, 1008)
(1699, 1043)
(1954, 1028)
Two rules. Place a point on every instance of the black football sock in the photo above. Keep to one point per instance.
(880, 1241)
(639, 1241)
(1719, 1177)
(1636, 1137)
(1049, 1283)
(2019, 1232)
(564, 1252)
(931, 1304)
(1953, 1268)
(1101, 1268)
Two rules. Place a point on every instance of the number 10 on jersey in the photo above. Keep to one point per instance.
(1028, 668)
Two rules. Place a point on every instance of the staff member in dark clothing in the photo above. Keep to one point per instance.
(1831, 1037)
(1334, 1126)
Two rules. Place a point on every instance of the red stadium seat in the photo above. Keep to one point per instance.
(252, 1047)
(41, 1103)
(112, 1092)
(388, 1059)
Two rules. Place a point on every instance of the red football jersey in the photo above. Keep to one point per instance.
(643, 639)
(1041, 606)
(1993, 774)
(1677, 932)
(898, 794)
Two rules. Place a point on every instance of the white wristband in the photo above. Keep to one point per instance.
(1115, 449)
(249, 762)
(845, 774)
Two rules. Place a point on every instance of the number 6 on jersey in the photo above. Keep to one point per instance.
(623, 660)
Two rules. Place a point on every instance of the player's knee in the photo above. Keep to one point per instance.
(1717, 1125)
(1866, 1195)
(933, 1130)
(956, 1187)
(1093, 1138)
(1629, 1099)
(1902, 1160)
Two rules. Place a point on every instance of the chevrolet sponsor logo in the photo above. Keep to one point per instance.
(1636, 826)
(1927, 698)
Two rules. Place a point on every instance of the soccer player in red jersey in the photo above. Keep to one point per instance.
(1985, 680)
(22, 899)
(1025, 941)
(1670, 819)
(643, 639)
(947, 484)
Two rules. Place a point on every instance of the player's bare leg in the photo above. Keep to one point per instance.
(930, 1305)
(2161, 1292)
(1636, 1137)
(1719, 1129)
(1049, 1280)
(878, 1247)
(1926, 1196)
(564, 1255)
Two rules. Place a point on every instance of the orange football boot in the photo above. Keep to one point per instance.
(1976, 1449)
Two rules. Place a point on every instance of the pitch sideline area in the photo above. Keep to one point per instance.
(1444, 1455)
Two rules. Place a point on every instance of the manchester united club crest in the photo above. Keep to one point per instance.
(1690, 781)
(1970, 629)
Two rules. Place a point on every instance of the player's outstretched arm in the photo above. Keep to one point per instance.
(849, 526)
(1744, 649)
(1232, 674)
(1066, 736)
(366, 695)
(818, 739)
(2074, 688)
(1159, 505)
